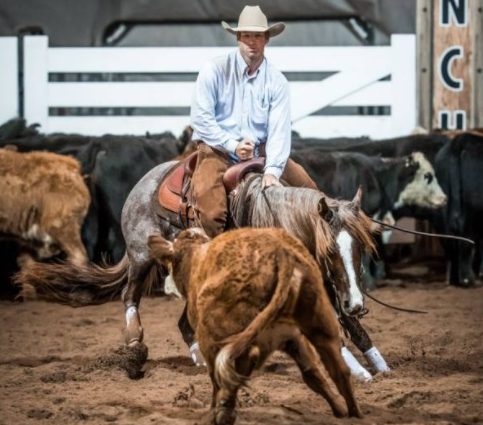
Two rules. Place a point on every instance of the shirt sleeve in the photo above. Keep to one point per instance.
(203, 107)
(279, 130)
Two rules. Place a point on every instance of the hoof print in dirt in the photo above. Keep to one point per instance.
(187, 398)
(39, 414)
(128, 358)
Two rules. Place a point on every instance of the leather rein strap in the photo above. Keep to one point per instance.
(416, 232)
(406, 310)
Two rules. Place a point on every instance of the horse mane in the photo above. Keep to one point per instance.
(293, 209)
(297, 211)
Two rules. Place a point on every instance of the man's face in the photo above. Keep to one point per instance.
(252, 45)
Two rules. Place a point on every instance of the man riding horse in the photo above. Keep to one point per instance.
(241, 110)
(250, 120)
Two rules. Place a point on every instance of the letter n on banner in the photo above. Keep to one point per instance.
(451, 61)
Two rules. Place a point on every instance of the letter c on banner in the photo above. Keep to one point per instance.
(447, 57)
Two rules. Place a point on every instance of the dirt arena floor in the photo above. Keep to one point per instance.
(60, 365)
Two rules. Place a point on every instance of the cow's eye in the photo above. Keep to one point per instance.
(429, 177)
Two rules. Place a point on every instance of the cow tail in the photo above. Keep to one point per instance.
(224, 371)
(73, 284)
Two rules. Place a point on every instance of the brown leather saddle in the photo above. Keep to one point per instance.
(174, 191)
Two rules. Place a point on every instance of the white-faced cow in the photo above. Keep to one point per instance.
(250, 292)
(387, 183)
(423, 190)
(44, 202)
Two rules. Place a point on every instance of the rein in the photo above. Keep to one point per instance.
(406, 310)
(266, 200)
(416, 232)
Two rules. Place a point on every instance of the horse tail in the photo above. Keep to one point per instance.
(225, 373)
(73, 284)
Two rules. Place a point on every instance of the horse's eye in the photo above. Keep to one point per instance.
(429, 177)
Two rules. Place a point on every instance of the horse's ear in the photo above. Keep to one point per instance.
(161, 249)
(356, 202)
(324, 211)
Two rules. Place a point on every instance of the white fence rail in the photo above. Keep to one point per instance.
(9, 95)
(355, 81)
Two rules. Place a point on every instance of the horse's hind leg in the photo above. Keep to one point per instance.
(131, 297)
(313, 375)
(139, 221)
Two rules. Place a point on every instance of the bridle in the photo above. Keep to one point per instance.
(337, 301)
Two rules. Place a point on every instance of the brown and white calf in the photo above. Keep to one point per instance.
(250, 292)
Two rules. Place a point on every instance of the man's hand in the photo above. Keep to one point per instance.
(244, 150)
(270, 180)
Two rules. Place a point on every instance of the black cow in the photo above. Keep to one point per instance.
(429, 144)
(459, 166)
(116, 164)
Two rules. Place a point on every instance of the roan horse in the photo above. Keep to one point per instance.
(335, 232)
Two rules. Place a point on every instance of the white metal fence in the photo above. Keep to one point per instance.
(375, 79)
(9, 95)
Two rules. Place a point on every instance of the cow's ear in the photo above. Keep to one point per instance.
(161, 249)
(356, 202)
(324, 211)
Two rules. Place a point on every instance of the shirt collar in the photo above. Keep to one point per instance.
(242, 66)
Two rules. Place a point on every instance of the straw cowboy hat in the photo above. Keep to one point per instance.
(252, 19)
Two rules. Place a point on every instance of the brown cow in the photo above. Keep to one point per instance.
(44, 202)
(250, 292)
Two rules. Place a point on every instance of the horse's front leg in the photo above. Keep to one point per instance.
(363, 342)
(131, 297)
(189, 338)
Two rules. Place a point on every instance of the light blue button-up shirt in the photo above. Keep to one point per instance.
(230, 105)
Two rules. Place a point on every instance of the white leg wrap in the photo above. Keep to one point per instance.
(131, 314)
(170, 287)
(376, 360)
(357, 370)
(196, 355)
